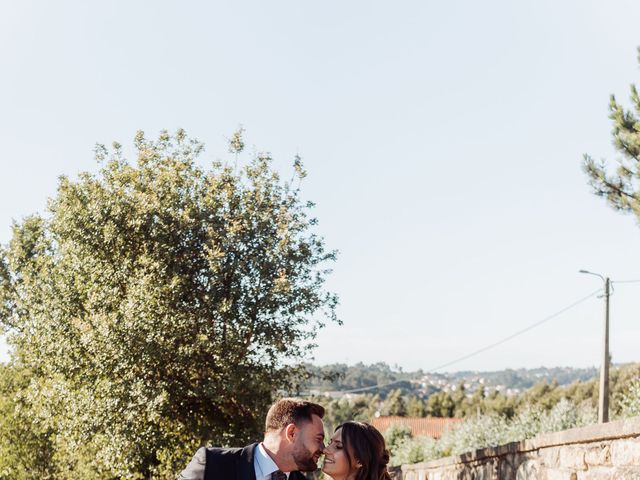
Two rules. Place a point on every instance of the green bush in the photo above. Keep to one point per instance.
(629, 402)
(490, 431)
(396, 436)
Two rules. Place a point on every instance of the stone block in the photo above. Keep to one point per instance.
(529, 470)
(549, 457)
(442, 474)
(445, 473)
(506, 470)
(627, 473)
(410, 475)
(598, 455)
(572, 457)
(597, 473)
(488, 471)
(611, 473)
(625, 452)
(558, 474)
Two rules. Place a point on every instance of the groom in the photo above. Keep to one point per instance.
(293, 442)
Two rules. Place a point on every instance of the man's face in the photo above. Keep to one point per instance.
(309, 444)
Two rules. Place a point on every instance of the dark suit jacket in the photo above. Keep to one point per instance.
(225, 464)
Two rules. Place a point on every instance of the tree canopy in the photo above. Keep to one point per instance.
(620, 185)
(159, 305)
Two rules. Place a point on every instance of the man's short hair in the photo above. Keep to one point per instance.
(291, 410)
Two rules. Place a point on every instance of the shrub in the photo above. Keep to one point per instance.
(629, 403)
(493, 430)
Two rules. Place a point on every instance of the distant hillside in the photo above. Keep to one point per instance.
(524, 378)
(338, 377)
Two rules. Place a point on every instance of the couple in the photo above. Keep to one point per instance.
(293, 442)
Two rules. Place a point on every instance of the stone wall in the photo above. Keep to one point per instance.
(596, 452)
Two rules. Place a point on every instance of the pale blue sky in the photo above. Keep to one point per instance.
(443, 142)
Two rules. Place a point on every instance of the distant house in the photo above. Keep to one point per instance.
(432, 427)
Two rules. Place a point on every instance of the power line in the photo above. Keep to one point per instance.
(519, 332)
(490, 346)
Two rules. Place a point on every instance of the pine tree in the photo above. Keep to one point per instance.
(620, 186)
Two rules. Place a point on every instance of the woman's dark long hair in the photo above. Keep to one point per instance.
(364, 445)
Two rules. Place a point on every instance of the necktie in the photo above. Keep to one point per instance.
(278, 475)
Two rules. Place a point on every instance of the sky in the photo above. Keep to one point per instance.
(443, 142)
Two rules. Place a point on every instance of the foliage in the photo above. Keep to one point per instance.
(396, 435)
(339, 376)
(492, 430)
(25, 448)
(337, 411)
(543, 408)
(492, 418)
(525, 378)
(416, 407)
(621, 188)
(415, 450)
(464, 403)
(394, 405)
(155, 303)
(629, 401)
(382, 379)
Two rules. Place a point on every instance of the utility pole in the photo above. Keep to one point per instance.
(603, 397)
(603, 394)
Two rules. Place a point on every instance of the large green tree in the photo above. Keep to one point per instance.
(160, 305)
(620, 184)
(25, 443)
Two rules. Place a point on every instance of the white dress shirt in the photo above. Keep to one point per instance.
(263, 464)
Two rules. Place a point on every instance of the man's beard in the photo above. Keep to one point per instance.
(304, 459)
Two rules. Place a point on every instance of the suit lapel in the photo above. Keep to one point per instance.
(247, 470)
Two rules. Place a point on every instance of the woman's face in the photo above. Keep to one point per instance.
(336, 463)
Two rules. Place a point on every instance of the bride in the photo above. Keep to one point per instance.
(356, 452)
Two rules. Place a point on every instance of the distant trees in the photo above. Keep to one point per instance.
(394, 405)
(339, 376)
(416, 407)
(462, 403)
(151, 308)
(361, 408)
(496, 419)
(490, 416)
(620, 186)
